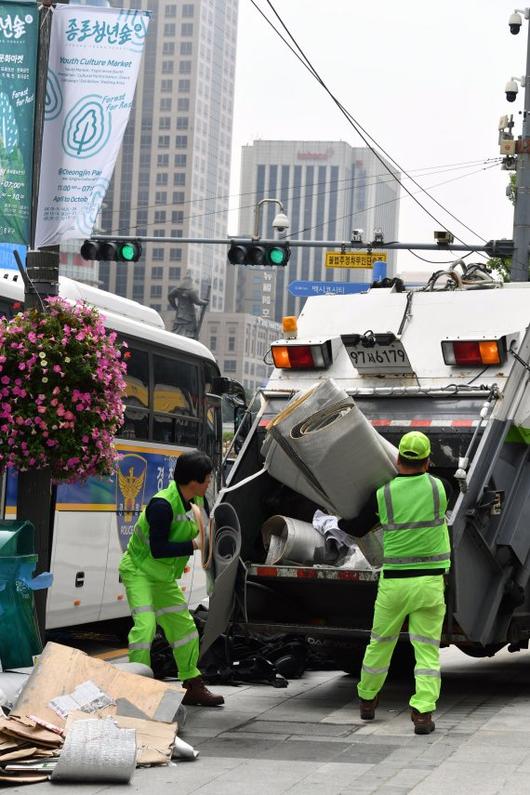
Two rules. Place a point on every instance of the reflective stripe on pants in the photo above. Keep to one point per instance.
(421, 600)
(161, 603)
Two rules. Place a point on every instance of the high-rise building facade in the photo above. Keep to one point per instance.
(328, 189)
(173, 173)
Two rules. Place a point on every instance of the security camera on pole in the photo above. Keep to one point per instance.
(521, 219)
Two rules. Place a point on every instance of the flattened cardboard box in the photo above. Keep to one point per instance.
(60, 669)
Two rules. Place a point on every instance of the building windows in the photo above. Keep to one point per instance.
(156, 307)
(163, 141)
(178, 197)
(229, 365)
(179, 179)
(185, 48)
(156, 291)
(164, 123)
(181, 141)
(160, 197)
(157, 273)
(187, 10)
(175, 254)
(182, 122)
(158, 254)
(174, 274)
(160, 216)
(184, 86)
(166, 86)
(168, 67)
(177, 217)
(170, 29)
(138, 292)
(181, 160)
(186, 29)
(183, 104)
(162, 160)
(231, 344)
(213, 343)
(168, 48)
(159, 233)
(161, 178)
(184, 67)
(176, 233)
(171, 11)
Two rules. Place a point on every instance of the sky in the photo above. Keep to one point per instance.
(425, 79)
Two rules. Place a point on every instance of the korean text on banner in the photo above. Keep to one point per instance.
(95, 56)
(19, 29)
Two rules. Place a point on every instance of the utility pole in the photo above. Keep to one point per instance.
(521, 217)
(35, 493)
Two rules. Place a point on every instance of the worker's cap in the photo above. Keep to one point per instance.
(415, 446)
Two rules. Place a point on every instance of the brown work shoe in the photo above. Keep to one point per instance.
(423, 722)
(198, 695)
(367, 708)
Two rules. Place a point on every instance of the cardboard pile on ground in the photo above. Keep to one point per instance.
(66, 686)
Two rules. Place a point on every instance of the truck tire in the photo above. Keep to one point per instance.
(476, 650)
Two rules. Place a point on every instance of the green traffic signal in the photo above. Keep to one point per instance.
(278, 255)
(111, 250)
(275, 255)
(128, 252)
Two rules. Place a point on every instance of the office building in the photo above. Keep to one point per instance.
(328, 189)
(241, 344)
(172, 176)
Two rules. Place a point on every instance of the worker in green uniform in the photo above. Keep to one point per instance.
(416, 555)
(163, 539)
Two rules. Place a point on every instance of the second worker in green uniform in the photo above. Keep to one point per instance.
(416, 555)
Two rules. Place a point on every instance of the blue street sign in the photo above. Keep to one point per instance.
(304, 289)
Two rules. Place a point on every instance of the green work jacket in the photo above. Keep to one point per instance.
(412, 514)
(183, 528)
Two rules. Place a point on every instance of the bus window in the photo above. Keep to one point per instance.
(176, 430)
(136, 398)
(176, 402)
(176, 386)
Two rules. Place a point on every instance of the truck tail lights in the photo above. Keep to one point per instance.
(302, 357)
(474, 353)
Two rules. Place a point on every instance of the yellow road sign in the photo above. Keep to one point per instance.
(353, 259)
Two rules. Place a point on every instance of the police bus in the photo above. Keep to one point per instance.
(170, 407)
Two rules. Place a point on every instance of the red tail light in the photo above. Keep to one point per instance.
(474, 353)
(302, 357)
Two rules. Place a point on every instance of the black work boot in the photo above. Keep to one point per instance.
(198, 695)
(367, 708)
(423, 722)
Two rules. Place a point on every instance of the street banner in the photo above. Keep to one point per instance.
(95, 56)
(19, 31)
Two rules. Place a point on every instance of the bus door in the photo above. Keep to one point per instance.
(214, 440)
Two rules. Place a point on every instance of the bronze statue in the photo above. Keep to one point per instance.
(184, 298)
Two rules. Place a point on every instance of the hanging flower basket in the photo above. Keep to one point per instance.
(61, 388)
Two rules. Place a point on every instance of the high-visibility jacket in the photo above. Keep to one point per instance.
(183, 528)
(412, 513)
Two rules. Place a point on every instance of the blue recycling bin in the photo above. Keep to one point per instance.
(19, 632)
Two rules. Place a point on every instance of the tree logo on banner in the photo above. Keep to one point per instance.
(86, 128)
(54, 98)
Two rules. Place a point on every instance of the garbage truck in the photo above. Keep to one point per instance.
(450, 358)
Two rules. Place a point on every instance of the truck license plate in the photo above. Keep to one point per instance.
(387, 358)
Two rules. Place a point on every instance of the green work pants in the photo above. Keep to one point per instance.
(161, 603)
(421, 600)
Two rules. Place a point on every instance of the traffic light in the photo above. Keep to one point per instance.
(112, 250)
(275, 255)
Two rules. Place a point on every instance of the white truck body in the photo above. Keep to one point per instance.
(384, 348)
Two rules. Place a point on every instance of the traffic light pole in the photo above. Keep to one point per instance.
(494, 248)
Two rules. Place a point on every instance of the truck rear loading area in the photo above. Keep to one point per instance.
(453, 363)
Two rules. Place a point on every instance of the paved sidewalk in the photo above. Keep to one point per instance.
(308, 739)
